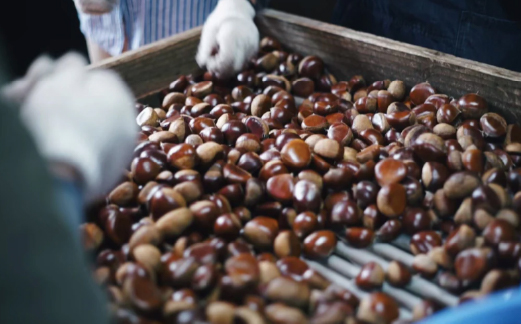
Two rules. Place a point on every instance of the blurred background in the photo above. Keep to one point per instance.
(29, 28)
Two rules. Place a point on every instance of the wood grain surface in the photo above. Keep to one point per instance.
(346, 53)
(151, 68)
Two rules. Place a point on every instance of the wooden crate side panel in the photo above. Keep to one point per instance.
(151, 68)
(347, 52)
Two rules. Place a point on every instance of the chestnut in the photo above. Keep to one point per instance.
(311, 67)
(416, 220)
(397, 274)
(498, 231)
(286, 244)
(472, 106)
(296, 154)
(389, 171)
(460, 184)
(424, 241)
(359, 237)
(391, 199)
(434, 175)
(345, 212)
(288, 291)
(493, 125)
(420, 92)
(371, 276)
(472, 264)
(397, 90)
(424, 265)
(365, 193)
(378, 307)
(389, 230)
(319, 244)
(261, 232)
(458, 240)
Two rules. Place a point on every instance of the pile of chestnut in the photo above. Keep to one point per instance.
(234, 180)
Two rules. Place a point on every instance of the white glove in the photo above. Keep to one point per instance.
(95, 7)
(85, 119)
(231, 36)
(18, 90)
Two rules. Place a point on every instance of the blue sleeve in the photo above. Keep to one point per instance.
(501, 308)
(45, 277)
(69, 200)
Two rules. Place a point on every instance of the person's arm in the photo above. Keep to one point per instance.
(96, 7)
(44, 277)
(65, 144)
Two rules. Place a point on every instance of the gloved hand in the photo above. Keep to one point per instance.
(17, 91)
(96, 7)
(229, 39)
(82, 118)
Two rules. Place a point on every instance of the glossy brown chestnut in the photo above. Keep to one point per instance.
(415, 220)
(261, 232)
(420, 92)
(472, 106)
(345, 212)
(319, 244)
(389, 171)
(498, 231)
(306, 196)
(314, 123)
(227, 226)
(424, 241)
(305, 223)
(472, 264)
(378, 307)
(391, 199)
(296, 154)
(311, 67)
(460, 239)
(371, 276)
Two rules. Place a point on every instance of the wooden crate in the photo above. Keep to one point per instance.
(346, 53)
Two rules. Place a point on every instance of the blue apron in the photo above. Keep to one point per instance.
(487, 31)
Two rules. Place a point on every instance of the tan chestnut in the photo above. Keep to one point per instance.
(261, 232)
(461, 184)
(286, 244)
(424, 265)
(397, 89)
(398, 274)
(288, 291)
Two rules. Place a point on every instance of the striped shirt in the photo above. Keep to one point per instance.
(143, 21)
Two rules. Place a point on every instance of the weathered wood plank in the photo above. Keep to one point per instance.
(348, 52)
(152, 67)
